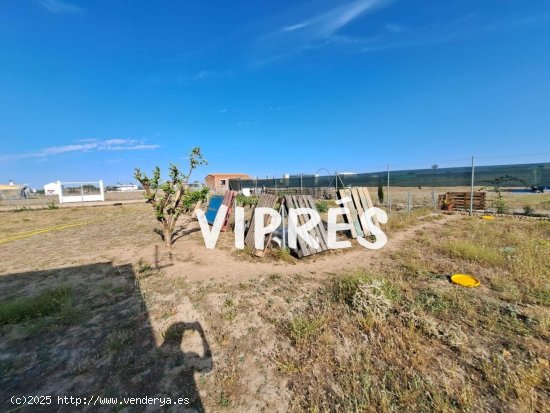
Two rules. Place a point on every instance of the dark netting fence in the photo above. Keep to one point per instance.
(511, 185)
(525, 175)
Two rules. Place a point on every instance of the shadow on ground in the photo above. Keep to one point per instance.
(85, 331)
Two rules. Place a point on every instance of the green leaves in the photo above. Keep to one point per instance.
(196, 159)
(171, 197)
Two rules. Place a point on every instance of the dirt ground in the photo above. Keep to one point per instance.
(212, 325)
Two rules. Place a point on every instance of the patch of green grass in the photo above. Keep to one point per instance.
(274, 277)
(53, 302)
(302, 328)
(343, 289)
(401, 220)
(144, 268)
(322, 206)
(282, 254)
(472, 251)
(433, 302)
(229, 312)
(119, 340)
(224, 400)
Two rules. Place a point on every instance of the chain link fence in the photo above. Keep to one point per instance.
(514, 188)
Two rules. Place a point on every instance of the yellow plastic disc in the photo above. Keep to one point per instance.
(489, 217)
(465, 280)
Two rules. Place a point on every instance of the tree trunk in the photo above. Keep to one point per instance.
(167, 236)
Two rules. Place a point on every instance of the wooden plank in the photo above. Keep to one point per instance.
(289, 203)
(359, 208)
(272, 201)
(355, 216)
(367, 202)
(303, 248)
(348, 217)
(228, 201)
(302, 202)
(319, 228)
(265, 201)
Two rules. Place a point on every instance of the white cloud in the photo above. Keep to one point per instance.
(60, 6)
(295, 27)
(327, 23)
(87, 145)
(313, 32)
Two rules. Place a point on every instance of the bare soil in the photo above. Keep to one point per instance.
(190, 322)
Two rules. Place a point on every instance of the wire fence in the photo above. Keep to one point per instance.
(505, 188)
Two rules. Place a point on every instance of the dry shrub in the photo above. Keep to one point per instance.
(369, 300)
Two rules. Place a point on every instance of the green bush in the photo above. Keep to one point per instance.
(322, 206)
(528, 211)
(243, 200)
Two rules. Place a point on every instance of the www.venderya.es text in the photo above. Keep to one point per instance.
(96, 400)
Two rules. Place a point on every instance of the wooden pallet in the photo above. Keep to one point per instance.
(228, 198)
(361, 201)
(461, 200)
(265, 201)
(318, 232)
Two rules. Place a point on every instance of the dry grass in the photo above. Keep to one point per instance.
(403, 338)
(398, 337)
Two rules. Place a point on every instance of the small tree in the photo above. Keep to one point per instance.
(172, 197)
(380, 194)
(497, 183)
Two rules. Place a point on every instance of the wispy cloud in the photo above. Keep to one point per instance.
(87, 145)
(314, 31)
(295, 27)
(464, 27)
(327, 23)
(60, 6)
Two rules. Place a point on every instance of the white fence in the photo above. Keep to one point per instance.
(80, 191)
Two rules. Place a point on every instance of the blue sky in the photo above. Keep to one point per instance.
(93, 89)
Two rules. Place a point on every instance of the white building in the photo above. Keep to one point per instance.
(127, 188)
(53, 188)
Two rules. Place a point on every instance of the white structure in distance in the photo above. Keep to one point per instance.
(81, 191)
(53, 188)
(127, 188)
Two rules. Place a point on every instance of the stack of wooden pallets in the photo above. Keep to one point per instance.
(360, 202)
(264, 201)
(318, 232)
(461, 200)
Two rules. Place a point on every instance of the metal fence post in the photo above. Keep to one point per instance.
(389, 201)
(409, 202)
(283, 223)
(433, 200)
(472, 189)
